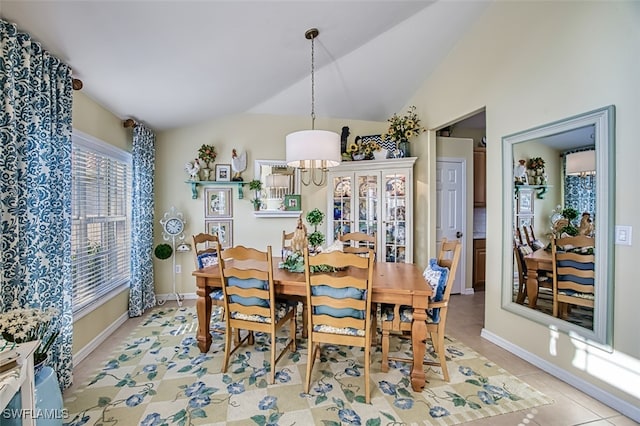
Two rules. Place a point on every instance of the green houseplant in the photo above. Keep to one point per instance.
(315, 218)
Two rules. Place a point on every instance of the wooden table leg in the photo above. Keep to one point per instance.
(532, 287)
(418, 344)
(203, 309)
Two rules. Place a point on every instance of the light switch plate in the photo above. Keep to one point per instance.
(623, 235)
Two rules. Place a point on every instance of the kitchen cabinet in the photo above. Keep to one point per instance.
(479, 259)
(479, 177)
(374, 197)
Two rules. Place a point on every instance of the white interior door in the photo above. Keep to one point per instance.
(450, 207)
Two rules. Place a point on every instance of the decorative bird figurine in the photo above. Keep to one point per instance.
(192, 169)
(238, 164)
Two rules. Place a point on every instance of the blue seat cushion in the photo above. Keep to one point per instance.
(338, 293)
(207, 259)
(248, 283)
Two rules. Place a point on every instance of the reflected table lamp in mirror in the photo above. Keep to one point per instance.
(277, 186)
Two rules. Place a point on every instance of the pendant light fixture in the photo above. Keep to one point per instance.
(313, 151)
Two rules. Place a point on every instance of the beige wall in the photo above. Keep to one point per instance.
(91, 118)
(530, 63)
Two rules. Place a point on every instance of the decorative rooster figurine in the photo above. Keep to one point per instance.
(192, 169)
(238, 164)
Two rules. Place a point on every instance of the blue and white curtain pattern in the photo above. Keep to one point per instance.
(141, 294)
(35, 187)
(579, 192)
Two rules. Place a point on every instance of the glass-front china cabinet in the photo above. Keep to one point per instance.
(374, 197)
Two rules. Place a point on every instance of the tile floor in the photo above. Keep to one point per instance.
(571, 406)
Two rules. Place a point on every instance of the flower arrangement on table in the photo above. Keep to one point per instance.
(362, 150)
(207, 153)
(403, 128)
(536, 163)
(22, 325)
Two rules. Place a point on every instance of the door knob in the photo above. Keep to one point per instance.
(458, 234)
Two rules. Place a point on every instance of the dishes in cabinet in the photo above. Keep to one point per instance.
(395, 186)
(368, 188)
(343, 188)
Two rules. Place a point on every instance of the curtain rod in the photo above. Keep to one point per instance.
(129, 122)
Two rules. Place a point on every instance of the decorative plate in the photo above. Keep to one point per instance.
(366, 186)
(395, 186)
(343, 188)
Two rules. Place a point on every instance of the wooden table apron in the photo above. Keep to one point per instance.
(395, 283)
(539, 260)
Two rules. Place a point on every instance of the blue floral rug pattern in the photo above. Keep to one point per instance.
(159, 377)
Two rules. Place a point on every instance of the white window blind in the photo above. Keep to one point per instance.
(101, 219)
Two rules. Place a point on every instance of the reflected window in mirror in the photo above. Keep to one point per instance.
(578, 196)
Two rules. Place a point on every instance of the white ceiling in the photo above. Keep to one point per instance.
(176, 63)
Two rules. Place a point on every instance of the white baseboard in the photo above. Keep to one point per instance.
(100, 338)
(606, 398)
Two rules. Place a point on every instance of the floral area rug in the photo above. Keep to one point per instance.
(158, 376)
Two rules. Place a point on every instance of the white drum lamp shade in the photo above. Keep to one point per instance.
(581, 163)
(309, 149)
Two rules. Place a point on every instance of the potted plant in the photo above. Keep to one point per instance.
(570, 214)
(257, 203)
(315, 218)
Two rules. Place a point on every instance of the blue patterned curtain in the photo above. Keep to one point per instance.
(579, 192)
(35, 188)
(142, 295)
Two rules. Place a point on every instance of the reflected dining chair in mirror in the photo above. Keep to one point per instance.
(339, 306)
(440, 275)
(573, 273)
(250, 302)
(205, 254)
(519, 253)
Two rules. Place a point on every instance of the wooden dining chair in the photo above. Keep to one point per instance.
(358, 242)
(339, 305)
(287, 248)
(205, 254)
(440, 274)
(250, 302)
(573, 261)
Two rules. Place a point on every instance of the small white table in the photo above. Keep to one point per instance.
(21, 378)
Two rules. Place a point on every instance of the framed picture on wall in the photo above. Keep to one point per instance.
(525, 201)
(223, 172)
(223, 229)
(292, 203)
(217, 202)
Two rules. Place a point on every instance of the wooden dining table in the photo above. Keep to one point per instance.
(393, 283)
(538, 261)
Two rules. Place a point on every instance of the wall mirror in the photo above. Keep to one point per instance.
(548, 172)
(278, 181)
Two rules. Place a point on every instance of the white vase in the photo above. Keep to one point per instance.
(380, 155)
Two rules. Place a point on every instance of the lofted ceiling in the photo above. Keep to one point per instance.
(176, 63)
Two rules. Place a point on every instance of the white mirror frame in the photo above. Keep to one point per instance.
(257, 168)
(604, 121)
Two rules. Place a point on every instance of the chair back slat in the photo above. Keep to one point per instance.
(358, 242)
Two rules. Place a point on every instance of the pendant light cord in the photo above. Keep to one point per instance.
(313, 93)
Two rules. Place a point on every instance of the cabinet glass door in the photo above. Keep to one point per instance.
(395, 222)
(367, 204)
(342, 209)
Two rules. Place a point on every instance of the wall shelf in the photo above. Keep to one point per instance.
(540, 189)
(277, 213)
(194, 186)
